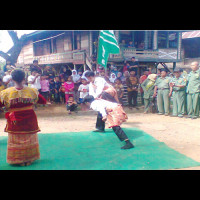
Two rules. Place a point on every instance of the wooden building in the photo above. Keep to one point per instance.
(191, 47)
(78, 48)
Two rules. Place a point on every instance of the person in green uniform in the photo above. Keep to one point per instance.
(148, 88)
(193, 90)
(184, 75)
(178, 89)
(164, 94)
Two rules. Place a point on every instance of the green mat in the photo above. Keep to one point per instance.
(100, 151)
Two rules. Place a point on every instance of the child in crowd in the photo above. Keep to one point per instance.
(62, 91)
(52, 90)
(84, 91)
(120, 89)
(44, 87)
(69, 88)
(71, 105)
(57, 89)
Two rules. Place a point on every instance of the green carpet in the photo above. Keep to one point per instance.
(100, 151)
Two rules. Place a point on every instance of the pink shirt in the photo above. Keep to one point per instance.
(44, 85)
(68, 85)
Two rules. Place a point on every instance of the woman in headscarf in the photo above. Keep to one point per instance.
(120, 76)
(77, 82)
(148, 88)
(112, 78)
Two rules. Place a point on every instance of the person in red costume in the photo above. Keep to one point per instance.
(22, 125)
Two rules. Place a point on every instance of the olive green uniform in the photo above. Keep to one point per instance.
(163, 99)
(193, 90)
(148, 93)
(178, 95)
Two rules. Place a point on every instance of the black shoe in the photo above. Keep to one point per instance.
(128, 145)
(101, 131)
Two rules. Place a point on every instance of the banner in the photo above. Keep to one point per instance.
(107, 44)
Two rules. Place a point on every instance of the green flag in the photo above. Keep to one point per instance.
(107, 44)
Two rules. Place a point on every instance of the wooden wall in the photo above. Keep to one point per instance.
(26, 54)
(85, 41)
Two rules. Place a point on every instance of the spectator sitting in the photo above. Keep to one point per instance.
(130, 44)
(71, 105)
(123, 44)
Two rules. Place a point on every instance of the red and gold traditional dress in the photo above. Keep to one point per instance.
(22, 125)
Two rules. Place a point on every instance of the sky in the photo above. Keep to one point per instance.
(5, 40)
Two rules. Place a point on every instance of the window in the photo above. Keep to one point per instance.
(162, 39)
(167, 39)
(77, 41)
(173, 39)
(125, 38)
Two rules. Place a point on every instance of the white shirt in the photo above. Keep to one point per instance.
(83, 87)
(100, 83)
(101, 105)
(37, 84)
(6, 79)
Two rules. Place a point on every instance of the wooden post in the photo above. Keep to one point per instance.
(174, 65)
(155, 40)
(84, 66)
(146, 40)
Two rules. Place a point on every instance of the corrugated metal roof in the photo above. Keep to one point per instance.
(191, 34)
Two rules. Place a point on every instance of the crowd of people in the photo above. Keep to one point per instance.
(70, 87)
(99, 89)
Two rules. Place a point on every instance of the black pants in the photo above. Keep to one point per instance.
(100, 124)
(132, 98)
(120, 133)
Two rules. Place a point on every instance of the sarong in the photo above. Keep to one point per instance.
(116, 116)
(22, 148)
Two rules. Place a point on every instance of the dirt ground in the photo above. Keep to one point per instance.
(181, 134)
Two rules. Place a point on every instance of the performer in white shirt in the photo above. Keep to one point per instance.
(99, 88)
(114, 114)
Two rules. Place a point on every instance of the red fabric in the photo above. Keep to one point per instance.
(23, 122)
(26, 122)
